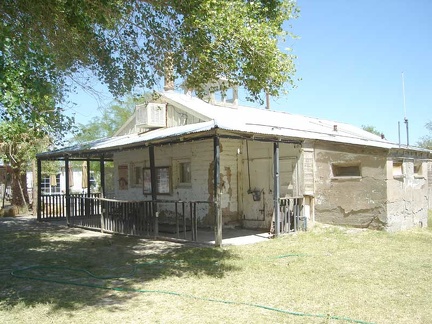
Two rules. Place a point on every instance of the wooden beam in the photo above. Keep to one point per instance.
(276, 188)
(102, 175)
(39, 190)
(154, 189)
(67, 191)
(216, 191)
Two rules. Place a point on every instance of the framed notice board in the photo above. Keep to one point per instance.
(163, 181)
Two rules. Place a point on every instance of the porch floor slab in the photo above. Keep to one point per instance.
(230, 236)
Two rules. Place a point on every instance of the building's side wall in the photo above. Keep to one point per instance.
(200, 156)
(178, 117)
(407, 193)
(229, 184)
(256, 179)
(429, 174)
(358, 201)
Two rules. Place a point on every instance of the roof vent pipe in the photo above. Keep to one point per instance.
(168, 72)
(267, 101)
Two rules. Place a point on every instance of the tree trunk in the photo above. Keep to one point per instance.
(20, 196)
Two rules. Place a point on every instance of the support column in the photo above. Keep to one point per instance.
(67, 191)
(39, 190)
(216, 192)
(154, 190)
(102, 204)
(88, 178)
(87, 200)
(102, 175)
(276, 188)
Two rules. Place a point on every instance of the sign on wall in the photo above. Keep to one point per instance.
(123, 177)
(163, 180)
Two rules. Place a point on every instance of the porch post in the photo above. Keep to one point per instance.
(154, 189)
(88, 178)
(276, 189)
(102, 175)
(87, 201)
(216, 193)
(101, 203)
(39, 190)
(67, 190)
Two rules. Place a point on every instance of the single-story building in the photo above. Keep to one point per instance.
(254, 168)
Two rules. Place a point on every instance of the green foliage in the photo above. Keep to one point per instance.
(109, 121)
(371, 129)
(126, 43)
(426, 141)
(30, 91)
(19, 144)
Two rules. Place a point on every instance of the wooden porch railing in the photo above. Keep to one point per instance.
(53, 207)
(139, 218)
(291, 214)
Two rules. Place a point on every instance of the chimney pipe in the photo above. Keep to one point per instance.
(168, 72)
(267, 101)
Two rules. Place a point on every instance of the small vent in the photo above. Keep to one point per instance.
(151, 115)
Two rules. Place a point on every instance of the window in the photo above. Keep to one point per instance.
(123, 177)
(341, 170)
(418, 170)
(51, 184)
(137, 175)
(397, 169)
(163, 180)
(185, 172)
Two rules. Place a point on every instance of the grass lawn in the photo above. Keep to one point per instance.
(326, 275)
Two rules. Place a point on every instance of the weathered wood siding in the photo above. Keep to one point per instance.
(256, 175)
(200, 156)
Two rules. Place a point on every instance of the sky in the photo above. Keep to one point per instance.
(356, 61)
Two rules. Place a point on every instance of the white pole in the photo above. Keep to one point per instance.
(403, 92)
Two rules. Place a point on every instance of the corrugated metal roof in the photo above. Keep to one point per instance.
(239, 119)
(268, 122)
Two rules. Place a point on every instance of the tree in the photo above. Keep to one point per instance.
(18, 146)
(110, 119)
(371, 129)
(128, 43)
(426, 141)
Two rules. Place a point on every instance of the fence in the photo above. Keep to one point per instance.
(291, 214)
(177, 219)
(53, 207)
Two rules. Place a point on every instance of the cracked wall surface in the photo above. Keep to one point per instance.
(358, 201)
(407, 194)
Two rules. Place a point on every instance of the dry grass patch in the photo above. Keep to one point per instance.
(327, 275)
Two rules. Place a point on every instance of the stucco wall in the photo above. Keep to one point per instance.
(358, 201)
(407, 194)
(429, 175)
(230, 149)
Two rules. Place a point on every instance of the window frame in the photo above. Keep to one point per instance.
(164, 171)
(420, 170)
(340, 170)
(46, 184)
(400, 169)
(181, 182)
(133, 180)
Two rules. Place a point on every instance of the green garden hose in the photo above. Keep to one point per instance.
(21, 273)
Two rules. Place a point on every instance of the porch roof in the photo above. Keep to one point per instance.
(246, 121)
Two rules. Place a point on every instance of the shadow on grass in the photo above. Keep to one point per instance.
(69, 268)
